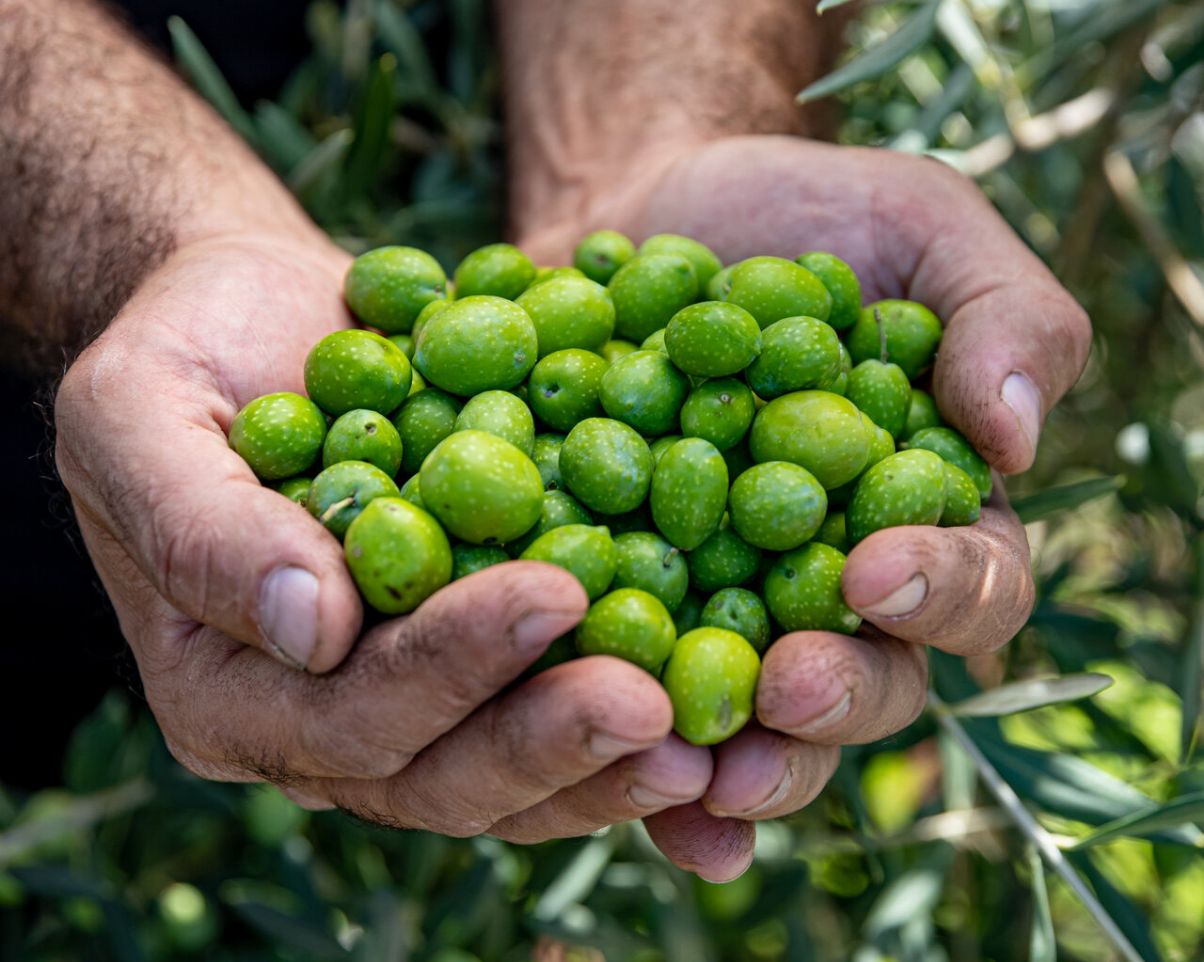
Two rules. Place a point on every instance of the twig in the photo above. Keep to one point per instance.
(1030, 827)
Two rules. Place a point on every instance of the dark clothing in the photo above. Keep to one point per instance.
(61, 649)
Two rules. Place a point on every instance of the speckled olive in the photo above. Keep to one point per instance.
(647, 561)
(644, 390)
(912, 335)
(689, 492)
(340, 493)
(468, 559)
(545, 452)
(797, 353)
(720, 411)
(962, 505)
(569, 312)
(557, 509)
(803, 592)
(607, 465)
(424, 420)
(955, 449)
(363, 436)
(741, 611)
(585, 551)
(499, 270)
(477, 344)
(818, 430)
(564, 387)
(357, 369)
(777, 505)
(628, 624)
(398, 555)
(389, 286)
(882, 392)
(501, 414)
(278, 435)
(712, 339)
(724, 560)
(771, 288)
(648, 290)
(921, 413)
(706, 265)
(711, 679)
(842, 284)
(905, 488)
(601, 253)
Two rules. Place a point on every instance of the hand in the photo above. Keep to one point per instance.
(1014, 343)
(212, 574)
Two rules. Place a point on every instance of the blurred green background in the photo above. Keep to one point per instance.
(1084, 121)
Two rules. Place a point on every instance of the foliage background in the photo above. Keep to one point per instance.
(1083, 120)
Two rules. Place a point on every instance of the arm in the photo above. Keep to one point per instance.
(143, 220)
(649, 116)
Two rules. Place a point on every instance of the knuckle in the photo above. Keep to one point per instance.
(354, 747)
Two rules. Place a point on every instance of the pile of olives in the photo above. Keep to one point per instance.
(699, 444)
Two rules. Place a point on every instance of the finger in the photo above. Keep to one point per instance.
(965, 590)
(151, 465)
(839, 690)
(763, 774)
(715, 849)
(671, 773)
(1015, 341)
(405, 684)
(562, 726)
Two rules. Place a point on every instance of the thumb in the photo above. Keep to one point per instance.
(218, 546)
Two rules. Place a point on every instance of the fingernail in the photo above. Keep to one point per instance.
(903, 600)
(537, 629)
(606, 746)
(641, 796)
(774, 800)
(829, 717)
(744, 867)
(1020, 394)
(288, 615)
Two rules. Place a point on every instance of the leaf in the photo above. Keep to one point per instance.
(1182, 811)
(877, 60)
(577, 881)
(1168, 477)
(282, 139)
(1129, 918)
(914, 893)
(1068, 786)
(283, 930)
(826, 5)
(208, 79)
(325, 157)
(398, 35)
(1193, 661)
(370, 144)
(1042, 946)
(1063, 498)
(1021, 696)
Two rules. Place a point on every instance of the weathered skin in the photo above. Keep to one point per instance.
(607, 465)
(882, 392)
(356, 482)
(771, 288)
(564, 387)
(706, 265)
(724, 560)
(777, 505)
(357, 369)
(601, 253)
(905, 488)
(629, 624)
(585, 551)
(468, 559)
(802, 591)
(398, 555)
(647, 561)
(278, 435)
(501, 414)
(741, 611)
(648, 290)
(498, 270)
(962, 505)
(912, 335)
(645, 390)
(689, 492)
(797, 354)
(363, 435)
(712, 339)
(569, 312)
(477, 344)
(720, 411)
(711, 678)
(389, 286)
(955, 449)
(424, 420)
(817, 430)
(842, 284)
(482, 489)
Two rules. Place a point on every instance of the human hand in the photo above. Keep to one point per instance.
(212, 574)
(1014, 343)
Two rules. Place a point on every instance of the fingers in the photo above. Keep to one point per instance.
(560, 727)
(833, 689)
(405, 684)
(762, 774)
(965, 590)
(156, 472)
(1015, 341)
(716, 849)
(671, 773)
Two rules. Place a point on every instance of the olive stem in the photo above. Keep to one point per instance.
(336, 508)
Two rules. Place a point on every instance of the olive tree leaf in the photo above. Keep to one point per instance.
(1042, 946)
(1034, 507)
(1178, 812)
(825, 5)
(208, 79)
(877, 60)
(1021, 696)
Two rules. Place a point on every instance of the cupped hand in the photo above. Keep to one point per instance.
(1014, 343)
(226, 591)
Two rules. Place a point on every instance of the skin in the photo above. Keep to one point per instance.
(161, 230)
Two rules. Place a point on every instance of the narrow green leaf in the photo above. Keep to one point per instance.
(283, 141)
(325, 157)
(1131, 919)
(1178, 812)
(877, 60)
(1042, 946)
(398, 35)
(826, 5)
(1069, 786)
(914, 893)
(1044, 503)
(373, 117)
(1021, 696)
(208, 79)
(1193, 662)
(1168, 476)
(577, 881)
(290, 931)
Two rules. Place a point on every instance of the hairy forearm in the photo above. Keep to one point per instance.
(108, 163)
(600, 94)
